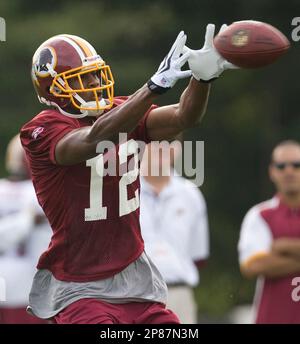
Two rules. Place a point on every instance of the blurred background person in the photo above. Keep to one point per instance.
(269, 246)
(24, 235)
(174, 227)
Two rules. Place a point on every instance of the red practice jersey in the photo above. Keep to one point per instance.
(276, 302)
(264, 223)
(94, 218)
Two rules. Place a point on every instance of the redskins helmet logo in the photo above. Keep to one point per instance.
(240, 38)
(45, 58)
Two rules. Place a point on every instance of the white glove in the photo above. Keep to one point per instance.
(169, 70)
(207, 64)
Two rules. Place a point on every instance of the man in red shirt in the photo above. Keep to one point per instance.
(95, 269)
(269, 245)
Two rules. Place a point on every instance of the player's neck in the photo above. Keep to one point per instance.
(291, 200)
(158, 183)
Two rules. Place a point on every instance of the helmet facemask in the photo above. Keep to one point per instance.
(61, 88)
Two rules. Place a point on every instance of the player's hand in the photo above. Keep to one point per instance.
(207, 64)
(169, 70)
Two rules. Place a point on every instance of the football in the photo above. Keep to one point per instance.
(251, 44)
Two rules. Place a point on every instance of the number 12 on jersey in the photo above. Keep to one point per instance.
(97, 210)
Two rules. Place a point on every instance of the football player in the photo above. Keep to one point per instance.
(95, 269)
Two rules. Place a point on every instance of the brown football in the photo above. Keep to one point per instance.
(251, 44)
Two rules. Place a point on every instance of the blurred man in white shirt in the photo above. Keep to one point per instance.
(175, 229)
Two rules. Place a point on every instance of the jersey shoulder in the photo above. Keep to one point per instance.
(49, 116)
(258, 210)
(268, 205)
(46, 121)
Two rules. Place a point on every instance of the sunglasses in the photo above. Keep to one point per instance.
(282, 165)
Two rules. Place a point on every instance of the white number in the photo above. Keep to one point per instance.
(126, 205)
(96, 210)
(99, 212)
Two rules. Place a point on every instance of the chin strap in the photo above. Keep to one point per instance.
(84, 113)
(93, 104)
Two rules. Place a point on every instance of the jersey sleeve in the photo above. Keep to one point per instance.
(255, 236)
(40, 136)
(199, 243)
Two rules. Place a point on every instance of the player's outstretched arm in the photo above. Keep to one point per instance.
(167, 122)
(80, 145)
